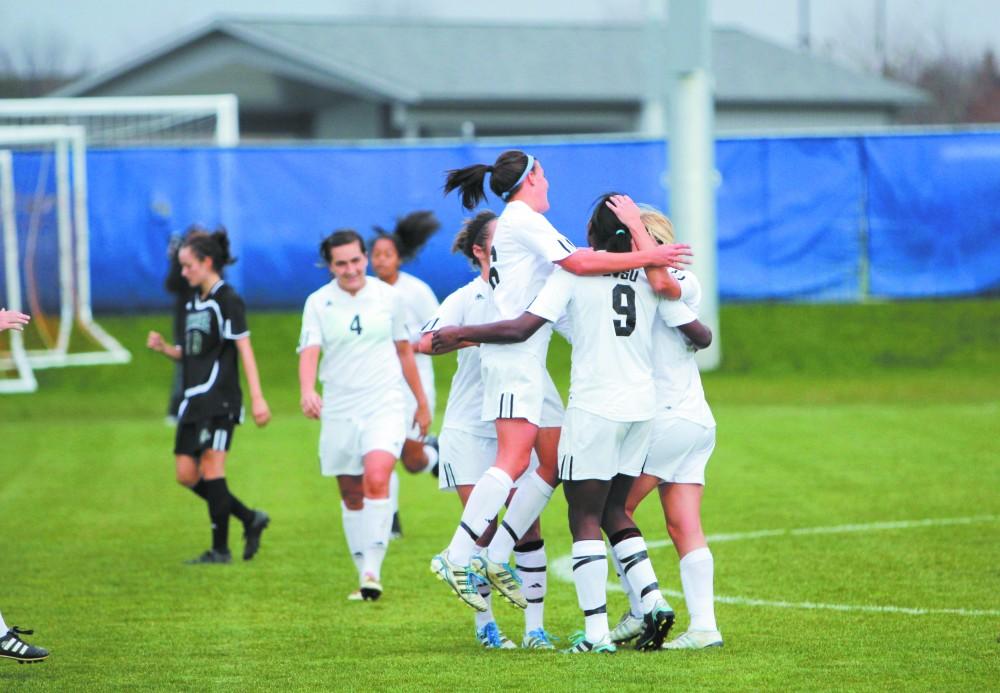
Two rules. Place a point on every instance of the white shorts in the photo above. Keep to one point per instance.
(679, 450)
(465, 457)
(413, 430)
(592, 447)
(343, 443)
(517, 386)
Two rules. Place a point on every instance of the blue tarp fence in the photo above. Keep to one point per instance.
(804, 219)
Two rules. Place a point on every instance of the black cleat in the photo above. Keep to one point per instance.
(655, 627)
(12, 647)
(252, 532)
(212, 556)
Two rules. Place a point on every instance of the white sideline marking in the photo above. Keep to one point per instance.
(562, 567)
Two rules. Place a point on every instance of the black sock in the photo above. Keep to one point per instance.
(199, 489)
(217, 496)
(238, 510)
(236, 507)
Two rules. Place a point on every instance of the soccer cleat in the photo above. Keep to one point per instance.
(459, 579)
(212, 556)
(695, 640)
(355, 596)
(655, 626)
(252, 532)
(397, 529)
(491, 637)
(13, 647)
(537, 639)
(502, 577)
(581, 644)
(371, 588)
(628, 627)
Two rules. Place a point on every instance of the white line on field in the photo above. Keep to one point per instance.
(562, 567)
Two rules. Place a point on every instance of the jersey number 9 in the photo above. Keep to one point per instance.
(623, 302)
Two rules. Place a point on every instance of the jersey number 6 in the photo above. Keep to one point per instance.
(623, 302)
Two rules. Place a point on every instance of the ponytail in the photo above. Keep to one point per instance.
(506, 177)
(410, 234)
(214, 245)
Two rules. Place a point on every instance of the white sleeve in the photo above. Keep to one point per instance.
(400, 332)
(552, 301)
(675, 313)
(450, 312)
(312, 329)
(542, 239)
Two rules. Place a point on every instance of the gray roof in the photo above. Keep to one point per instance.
(414, 61)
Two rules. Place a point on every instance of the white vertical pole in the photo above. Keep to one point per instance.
(26, 378)
(82, 226)
(692, 154)
(227, 126)
(65, 230)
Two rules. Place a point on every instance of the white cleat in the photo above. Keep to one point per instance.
(502, 576)
(492, 638)
(371, 588)
(628, 628)
(355, 596)
(459, 579)
(695, 640)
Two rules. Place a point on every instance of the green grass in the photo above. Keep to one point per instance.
(828, 415)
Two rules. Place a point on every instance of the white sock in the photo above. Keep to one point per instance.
(377, 520)
(432, 458)
(394, 491)
(634, 603)
(3, 626)
(590, 573)
(697, 570)
(487, 497)
(639, 571)
(484, 617)
(529, 500)
(354, 532)
(531, 568)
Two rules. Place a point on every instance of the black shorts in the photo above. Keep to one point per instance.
(195, 437)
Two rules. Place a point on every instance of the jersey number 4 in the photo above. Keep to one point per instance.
(623, 303)
(356, 324)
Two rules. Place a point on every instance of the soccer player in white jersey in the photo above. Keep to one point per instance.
(11, 644)
(608, 420)
(389, 250)
(358, 323)
(469, 444)
(520, 396)
(682, 442)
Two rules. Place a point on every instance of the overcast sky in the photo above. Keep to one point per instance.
(98, 33)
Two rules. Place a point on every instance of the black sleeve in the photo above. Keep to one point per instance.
(234, 316)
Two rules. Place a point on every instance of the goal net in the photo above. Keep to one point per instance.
(142, 120)
(46, 264)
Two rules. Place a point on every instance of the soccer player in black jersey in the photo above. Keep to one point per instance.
(216, 338)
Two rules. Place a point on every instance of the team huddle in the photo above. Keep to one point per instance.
(636, 419)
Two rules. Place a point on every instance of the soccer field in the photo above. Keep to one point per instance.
(853, 508)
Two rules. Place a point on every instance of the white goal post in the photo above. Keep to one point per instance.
(126, 120)
(70, 147)
(25, 380)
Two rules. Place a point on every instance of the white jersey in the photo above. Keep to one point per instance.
(420, 303)
(525, 246)
(357, 334)
(678, 382)
(611, 318)
(468, 305)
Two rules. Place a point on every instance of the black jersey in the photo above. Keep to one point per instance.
(210, 360)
